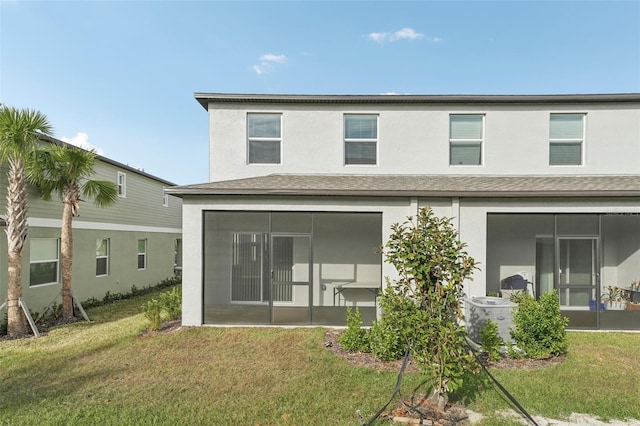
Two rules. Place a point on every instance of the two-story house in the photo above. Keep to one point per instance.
(133, 242)
(304, 189)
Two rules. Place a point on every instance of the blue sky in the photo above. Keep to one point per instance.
(120, 76)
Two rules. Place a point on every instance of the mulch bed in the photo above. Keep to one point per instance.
(368, 360)
(422, 411)
(166, 327)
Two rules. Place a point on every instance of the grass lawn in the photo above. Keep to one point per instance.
(107, 372)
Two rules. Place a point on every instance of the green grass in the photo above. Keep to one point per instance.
(601, 377)
(108, 372)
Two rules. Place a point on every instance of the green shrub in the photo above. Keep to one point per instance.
(539, 326)
(171, 303)
(113, 297)
(390, 336)
(153, 312)
(355, 338)
(92, 302)
(167, 307)
(384, 341)
(491, 340)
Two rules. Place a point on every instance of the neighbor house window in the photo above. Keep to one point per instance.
(466, 136)
(165, 199)
(360, 139)
(264, 138)
(566, 138)
(102, 257)
(142, 254)
(44, 261)
(122, 185)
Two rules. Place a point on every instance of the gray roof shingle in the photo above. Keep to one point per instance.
(422, 185)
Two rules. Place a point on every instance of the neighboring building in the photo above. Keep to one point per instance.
(304, 189)
(133, 242)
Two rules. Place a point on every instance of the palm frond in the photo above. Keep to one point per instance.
(59, 167)
(19, 130)
(103, 192)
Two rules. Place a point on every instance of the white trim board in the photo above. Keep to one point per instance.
(102, 226)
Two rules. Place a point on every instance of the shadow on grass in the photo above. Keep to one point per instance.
(123, 308)
(34, 382)
(472, 386)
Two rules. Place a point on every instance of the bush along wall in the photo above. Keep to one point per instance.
(540, 328)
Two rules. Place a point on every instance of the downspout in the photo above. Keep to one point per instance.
(455, 213)
(414, 206)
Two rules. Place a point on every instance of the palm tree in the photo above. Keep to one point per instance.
(65, 170)
(19, 130)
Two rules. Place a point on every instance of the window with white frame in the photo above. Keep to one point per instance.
(165, 199)
(142, 254)
(566, 139)
(102, 257)
(264, 134)
(44, 261)
(466, 137)
(361, 139)
(122, 185)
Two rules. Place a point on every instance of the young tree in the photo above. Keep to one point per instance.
(19, 129)
(65, 170)
(424, 303)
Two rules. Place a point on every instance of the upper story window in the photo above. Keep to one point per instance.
(566, 138)
(466, 136)
(44, 261)
(122, 185)
(264, 134)
(165, 199)
(360, 139)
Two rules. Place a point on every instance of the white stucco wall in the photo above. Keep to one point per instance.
(415, 140)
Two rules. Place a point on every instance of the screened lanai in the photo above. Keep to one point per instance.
(294, 268)
(591, 260)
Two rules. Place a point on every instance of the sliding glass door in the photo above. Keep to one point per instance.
(578, 270)
(578, 279)
(291, 279)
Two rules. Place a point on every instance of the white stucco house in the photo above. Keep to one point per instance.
(304, 189)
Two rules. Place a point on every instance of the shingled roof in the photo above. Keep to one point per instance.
(421, 185)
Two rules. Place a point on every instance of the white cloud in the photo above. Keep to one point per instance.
(403, 34)
(267, 62)
(406, 33)
(378, 37)
(81, 140)
(270, 57)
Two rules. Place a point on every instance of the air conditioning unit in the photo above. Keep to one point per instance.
(479, 309)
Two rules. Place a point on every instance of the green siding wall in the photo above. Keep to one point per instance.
(140, 215)
(123, 267)
(141, 206)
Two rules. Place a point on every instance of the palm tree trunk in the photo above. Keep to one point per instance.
(16, 234)
(66, 258)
